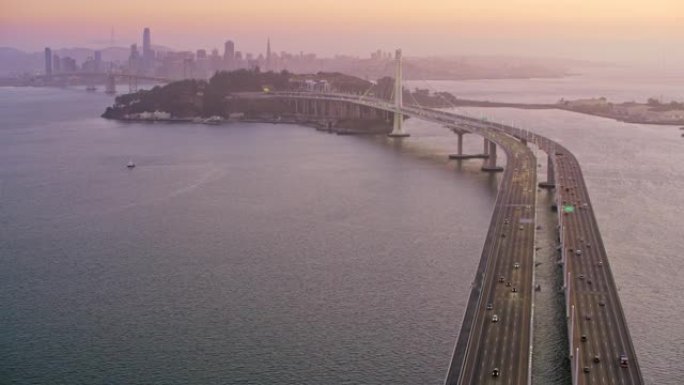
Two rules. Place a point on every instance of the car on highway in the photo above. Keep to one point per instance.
(578, 252)
(495, 318)
(516, 265)
(586, 369)
(597, 358)
(501, 278)
(490, 306)
(623, 360)
(600, 263)
(581, 276)
(495, 372)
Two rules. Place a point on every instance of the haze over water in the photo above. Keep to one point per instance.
(276, 254)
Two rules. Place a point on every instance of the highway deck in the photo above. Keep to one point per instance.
(596, 323)
(483, 344)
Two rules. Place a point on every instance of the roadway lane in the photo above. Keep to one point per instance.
(599, 327)
(510, 240)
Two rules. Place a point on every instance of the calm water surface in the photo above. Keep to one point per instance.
(239, 254)
(250, 254)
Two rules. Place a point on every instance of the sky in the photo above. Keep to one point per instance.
(607, 30)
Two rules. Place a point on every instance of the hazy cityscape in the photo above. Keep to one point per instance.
(341, 192)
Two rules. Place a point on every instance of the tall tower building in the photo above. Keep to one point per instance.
(268, 55)
(229, 50)
(147, 53)
(229, 55)
(48, 62)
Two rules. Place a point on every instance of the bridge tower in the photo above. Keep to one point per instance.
(398, 130)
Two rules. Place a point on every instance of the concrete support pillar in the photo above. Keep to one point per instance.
(490, 162)
(460, 143)
(486, 146)
(550, 174)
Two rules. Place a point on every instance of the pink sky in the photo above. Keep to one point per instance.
(634, 30)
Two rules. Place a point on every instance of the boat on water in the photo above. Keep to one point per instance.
(130, 164)
(91, 88)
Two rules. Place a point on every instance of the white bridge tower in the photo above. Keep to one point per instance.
(398, 131)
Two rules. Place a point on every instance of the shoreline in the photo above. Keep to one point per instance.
(546, 106)
(318, 126)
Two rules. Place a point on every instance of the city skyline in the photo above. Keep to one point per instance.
(625, 31)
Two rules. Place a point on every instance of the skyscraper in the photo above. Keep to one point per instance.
(268, 55)
(229, 55)
(48, 62)
(229, 50)
(147, 52)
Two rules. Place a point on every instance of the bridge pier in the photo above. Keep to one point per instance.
(490, 163)
(550, 175)
(459, 155)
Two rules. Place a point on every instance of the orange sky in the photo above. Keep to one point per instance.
(602, 29)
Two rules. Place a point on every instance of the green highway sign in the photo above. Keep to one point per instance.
(569, 208)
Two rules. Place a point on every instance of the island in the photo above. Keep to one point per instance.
(223, 98)
(218, 100)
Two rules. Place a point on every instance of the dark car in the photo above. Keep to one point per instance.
(495, 372)
(597, 358)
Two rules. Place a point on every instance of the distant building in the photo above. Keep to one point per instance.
(147, 53)
(48, 62)
(56, 64)
(69, 65)
(229, 54)
(134, 59)
(98, 61)
(269, 62)
(215, 61)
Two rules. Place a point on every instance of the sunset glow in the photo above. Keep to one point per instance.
(581, 28)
